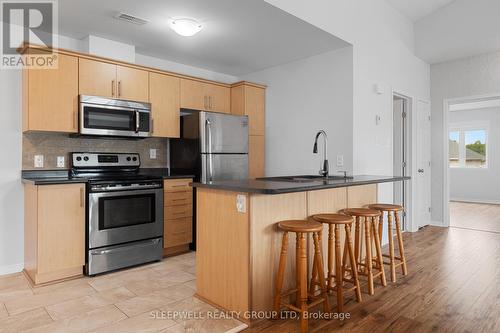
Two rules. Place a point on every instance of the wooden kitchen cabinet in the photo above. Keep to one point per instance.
(50, 97)
(256, 156)
(205, 96)
(178, 216)
(105, 79)
(54, 242)
(164, 96)
(132, 84)
(249, 99)
(96, 78)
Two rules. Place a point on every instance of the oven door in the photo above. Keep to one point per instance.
(124, 216)
(113, 120)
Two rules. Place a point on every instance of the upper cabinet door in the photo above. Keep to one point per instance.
(51, 97)
(164, 95)
(132, 84)
(193, 95)
(97, 78)
(254, 109)
(219, 98)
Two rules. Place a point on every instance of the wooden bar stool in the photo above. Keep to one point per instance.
(371, 235)
(335, 221)
(304, 301)
(392, 210)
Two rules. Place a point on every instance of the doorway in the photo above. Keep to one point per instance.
(472, 172)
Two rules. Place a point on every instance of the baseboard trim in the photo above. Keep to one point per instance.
(488, 202)
(10, 269)
(437, 223)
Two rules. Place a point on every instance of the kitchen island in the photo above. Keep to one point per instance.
(238, 244)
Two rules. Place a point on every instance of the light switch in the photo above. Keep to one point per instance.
(152, 154)
(241, 203)
(60, 161)
(340, 160)
(38, 161)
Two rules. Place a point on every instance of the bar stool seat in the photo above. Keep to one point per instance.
(392, 212)
(303, 300)
(371, 235)
(336, 272)
(300, 226)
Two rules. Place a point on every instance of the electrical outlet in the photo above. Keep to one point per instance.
(241, 203)
(38, 161)
(60, 161)
(152, 154)
(340, 160)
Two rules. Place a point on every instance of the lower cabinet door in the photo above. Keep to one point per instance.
(177, 232)
(61, 231)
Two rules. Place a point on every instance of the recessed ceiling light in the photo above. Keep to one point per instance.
(186, 27)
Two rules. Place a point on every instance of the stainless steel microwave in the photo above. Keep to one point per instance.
(114, 117)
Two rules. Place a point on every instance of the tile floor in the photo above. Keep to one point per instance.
(151, 298)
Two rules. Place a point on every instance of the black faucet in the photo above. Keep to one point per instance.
(325, 169)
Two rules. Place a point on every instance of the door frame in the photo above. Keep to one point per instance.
(447, 102)
(411, 131)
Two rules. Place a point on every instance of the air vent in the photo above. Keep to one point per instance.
(131, 19)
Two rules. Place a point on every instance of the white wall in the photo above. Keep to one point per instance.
(383, 53)
(473, 76)
(11, 191)
(479, 185)
(303, 97)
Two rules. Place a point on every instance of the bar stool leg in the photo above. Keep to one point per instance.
(281, 273)
(378, 249)
(400, 243)
(368, 258)
(392, 260)
(318, 259)
(357, 240)
(352, 259)
(302, 282)
(380, 227)
(329, 280)
(339, 278)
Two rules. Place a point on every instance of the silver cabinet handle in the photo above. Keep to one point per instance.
(137, 121)
(119, 88)
(113, 88)
(210, 102)
(208, 131)
(205, 102)
(151, 125)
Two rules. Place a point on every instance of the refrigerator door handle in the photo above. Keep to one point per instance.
(208, 131)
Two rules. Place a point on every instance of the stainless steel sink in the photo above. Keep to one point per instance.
(305, 178)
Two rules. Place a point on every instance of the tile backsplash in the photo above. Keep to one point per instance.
(51, 145)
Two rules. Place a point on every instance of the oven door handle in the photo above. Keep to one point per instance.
(127, 247)
(137, 121)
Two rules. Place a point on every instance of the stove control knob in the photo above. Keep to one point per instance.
(128, 158)
(86, 158)
(134, 159)
(78, 158)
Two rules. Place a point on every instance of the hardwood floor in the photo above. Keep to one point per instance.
(453, 285)
(134, 300)
(475, 216)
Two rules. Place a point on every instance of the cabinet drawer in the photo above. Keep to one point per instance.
(177, 212)
(177, 185)
(177, 232)
(178, 198)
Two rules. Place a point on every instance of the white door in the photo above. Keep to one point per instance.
(423, 174)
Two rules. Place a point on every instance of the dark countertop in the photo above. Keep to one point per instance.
(53, 177)
(270, 186)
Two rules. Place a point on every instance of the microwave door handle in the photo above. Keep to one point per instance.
(208, 131)
(137, 121)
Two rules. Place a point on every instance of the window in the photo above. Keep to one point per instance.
(468, 147)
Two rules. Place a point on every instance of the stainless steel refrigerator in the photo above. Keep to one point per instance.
(212, 146)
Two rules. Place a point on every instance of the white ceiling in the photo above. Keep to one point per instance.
(417, 9)
(463, 29)
(239, 37)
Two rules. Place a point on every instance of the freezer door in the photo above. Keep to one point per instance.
(216, 167)
(223, 133)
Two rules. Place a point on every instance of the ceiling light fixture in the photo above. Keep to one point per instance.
(185, 26)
